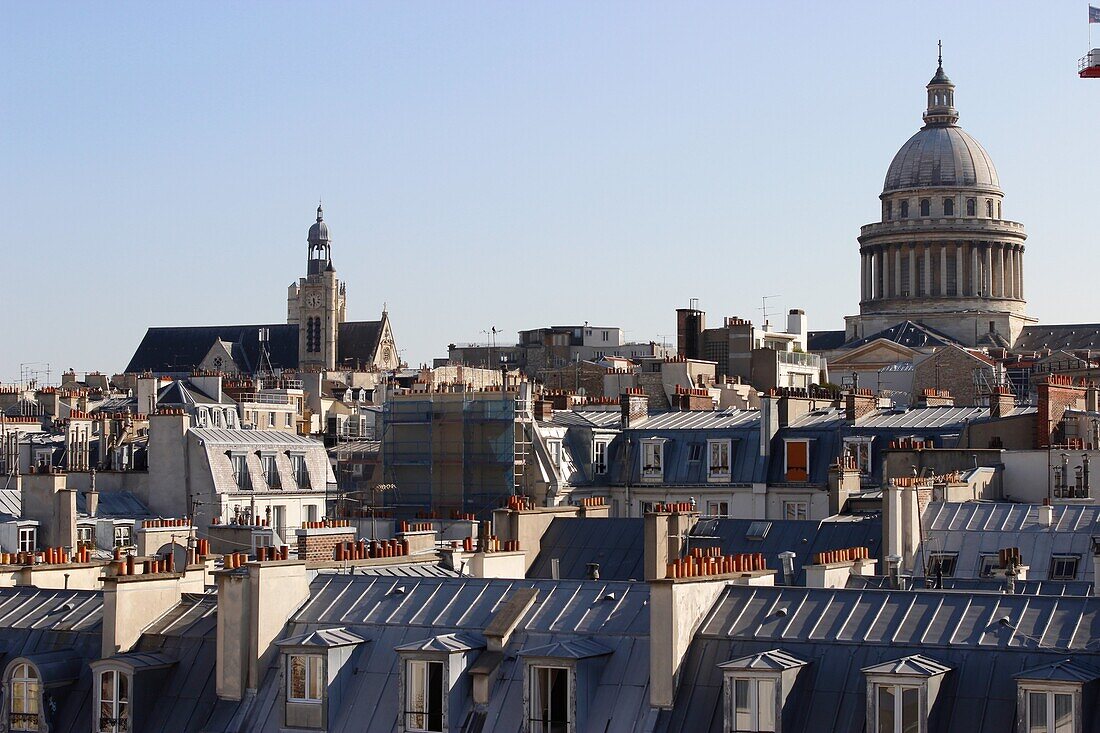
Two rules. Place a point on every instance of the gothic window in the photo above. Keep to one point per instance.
(949, 207)
(925, 207)
(904, 209)
(971, 207)
(313, 334)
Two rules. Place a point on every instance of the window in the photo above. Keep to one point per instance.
(987, 564)
(695, 451)
(124, 535)
(85, 536)
(25, 694)
(271, 419)
(1049, 712)
(28, 539)
(989, 208)
(718, 508)
(859, 451)
(114, 702)
(289, 419)
(971, 207)
(1063, 567)
(653, 460)
(904, 209)
(554, 448)
(550, 706)
(897, 709)
(753, 704)
(888, 210)
(240, 470)
(949, 207)
(599, 457)
(305, 681)
(796, 510)
(301, 473)
(424, 691)
(271, 471)
(942, 563)
(718, 464)
(925, 207)
(798, 460)
(311, 512)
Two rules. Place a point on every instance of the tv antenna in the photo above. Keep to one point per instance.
(765, 314)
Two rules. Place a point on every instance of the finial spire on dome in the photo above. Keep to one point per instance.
(939, 57)
(320, 213)
(941, 110)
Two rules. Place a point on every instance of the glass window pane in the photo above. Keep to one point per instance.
(765, 700)
(1063, 714)
(107, 686)
(316, 681)
(559, 696)
(742, 705)
(1037, 712)
(415, 695)
(885, 709)
(297, 677)
(910, 710)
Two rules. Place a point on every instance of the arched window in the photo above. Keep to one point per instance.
(989, 208)
(971, 207)
(949, 207)
(904, 209)
(25, 693)
(114, 702)
(925, 207)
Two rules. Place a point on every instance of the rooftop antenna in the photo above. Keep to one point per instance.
(764, 308)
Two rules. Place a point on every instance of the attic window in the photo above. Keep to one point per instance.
(1063, 567)
(25, 698)
(942, 563)
(424, 692)
(113, 695)
(305, 678)
(550, 701)
(758, 530)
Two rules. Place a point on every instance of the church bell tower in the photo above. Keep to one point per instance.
(316, 302)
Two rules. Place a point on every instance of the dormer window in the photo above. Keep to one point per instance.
(797, 460)
(113, 695)
(424, 693)
(550, 700)
(553, 447)
(305, 682)
(270, 470)
(240, 470)
(899, 695)
(653, 460)
(718, 462)
(25, 696)
(300, 470)
(1050, 698)
(755, 690)
(124, 535)
(599, 457)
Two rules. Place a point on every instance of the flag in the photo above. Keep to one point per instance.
(1094, 14)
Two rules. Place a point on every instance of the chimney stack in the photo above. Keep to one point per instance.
(1001, 402)
(635, 407)
(858, 404)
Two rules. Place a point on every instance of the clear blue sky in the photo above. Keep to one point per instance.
(508, 164)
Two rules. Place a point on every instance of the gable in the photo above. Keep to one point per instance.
(880, 351)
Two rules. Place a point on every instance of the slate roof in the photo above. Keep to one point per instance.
(120, 504)
(568, 615)
(617, 544)
(907, 333)
(824, 340)
(1069, 336)
(841, 632)
(179, 349)
(805, 538)
(973, 529)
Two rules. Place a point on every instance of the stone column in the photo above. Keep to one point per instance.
(896, 251)
(988, 255)
(927, 270)
(960, 263)
(943, 270)
(996, 272)
(912, 271)
(862, 277)
(975, 271)
(1020, 271)
(1010, 277)
(879, 280)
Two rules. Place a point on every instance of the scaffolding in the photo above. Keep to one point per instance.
(448, 452)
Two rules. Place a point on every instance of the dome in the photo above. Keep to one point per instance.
(941, 156)
(318, 232)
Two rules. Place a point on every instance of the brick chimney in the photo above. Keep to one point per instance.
(1055, 395)
(544, 410)
(935, 398)
(693, 398)
(635, 407)
(1001, 402)
(858, 404)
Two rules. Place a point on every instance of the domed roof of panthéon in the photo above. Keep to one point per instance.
(941, 156)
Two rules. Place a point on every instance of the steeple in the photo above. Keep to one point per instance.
(320, 249)
(941, 110)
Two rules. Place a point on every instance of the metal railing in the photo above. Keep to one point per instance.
(264, 398)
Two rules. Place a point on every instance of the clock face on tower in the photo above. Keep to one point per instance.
(313, 300)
